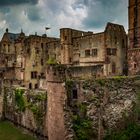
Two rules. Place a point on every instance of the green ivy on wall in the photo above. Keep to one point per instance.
(20, 100)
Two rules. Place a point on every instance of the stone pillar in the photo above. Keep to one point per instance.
(1, 99)
(56, 100)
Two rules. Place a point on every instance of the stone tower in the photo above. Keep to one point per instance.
(134, 37)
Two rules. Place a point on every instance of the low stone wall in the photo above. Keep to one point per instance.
(27, 109)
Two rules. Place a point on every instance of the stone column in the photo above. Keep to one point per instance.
(56, 100)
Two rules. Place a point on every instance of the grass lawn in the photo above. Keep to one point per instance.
(9, 132)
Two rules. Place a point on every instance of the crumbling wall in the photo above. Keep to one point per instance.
(27, 109)
(101, 105)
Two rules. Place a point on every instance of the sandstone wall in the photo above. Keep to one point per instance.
(101, 104)
(1, 99)
(26, 109)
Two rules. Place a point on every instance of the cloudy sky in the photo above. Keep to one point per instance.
(34, 15)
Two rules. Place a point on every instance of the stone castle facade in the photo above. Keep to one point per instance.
(24, 62)
(24, 58)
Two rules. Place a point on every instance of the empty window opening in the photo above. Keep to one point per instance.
(113, 68)
(87, 53)
(135, 66)
(42, 62)
(74, 94)
(30, 85)
(36, 86)
(94, 52)
(34, 74)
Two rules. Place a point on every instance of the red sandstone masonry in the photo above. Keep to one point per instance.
(56, 100)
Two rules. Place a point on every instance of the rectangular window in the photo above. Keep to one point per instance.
(108, 51)
(8, 47)
(87, 53)
(111, 51)
(94, 52)
(42, 62)
(65, 37)
(42, 45)
(113, 68)
(114, 51)
(33, 74)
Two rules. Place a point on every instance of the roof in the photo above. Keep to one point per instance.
(12, 37)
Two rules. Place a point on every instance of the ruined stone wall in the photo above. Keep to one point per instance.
(108, 48)
(85, 72)
(102, 104)
(134, 37)
(66, 38)
(37, 52)
(115, 49)
(26, 109)
(91, 43)
(54, 49)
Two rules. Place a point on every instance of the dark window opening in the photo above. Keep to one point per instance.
(111, 51)
(21, 64)
(114, 51)
(42, 45)
(61, 47)
(87, 53)
(36, 86)
(135, 66)
(28, 50)
(65, 37)
(108, 51)
(30, 85)
(123, 44)
(33, 74)
(42, 75)
(94, 52)
(8, 48)
(113, 68)
(42, 62)
(74, 94)
(70, 59)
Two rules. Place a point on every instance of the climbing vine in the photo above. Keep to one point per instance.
(20, 100)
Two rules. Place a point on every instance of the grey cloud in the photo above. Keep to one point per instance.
(4, 10)
(102, 11)
(33, 14)
(16, 2)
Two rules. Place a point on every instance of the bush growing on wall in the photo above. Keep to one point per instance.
(20, 100)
